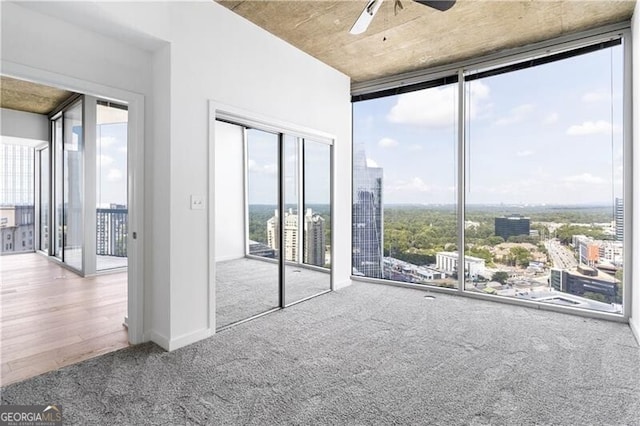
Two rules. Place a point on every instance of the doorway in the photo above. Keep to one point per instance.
(120, 291)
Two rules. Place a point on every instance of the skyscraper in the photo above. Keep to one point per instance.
(17, 175)
(314, 239)
(619, 218)
(16, 198)
(368, 240)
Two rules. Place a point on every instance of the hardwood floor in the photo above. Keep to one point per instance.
(51, 317)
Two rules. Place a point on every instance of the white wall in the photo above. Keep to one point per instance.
(16, 126)
(229, 191)
(212, 54)
(238, 64)
(635, 307)
(157, 200)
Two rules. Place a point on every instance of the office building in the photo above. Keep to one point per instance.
(314, 239)
(111, 231)
(16, 175)
(512, 226)
(619, 219)
(368, 218)
(16, 229)
(587, 250)
(448, 262)
(585, 279)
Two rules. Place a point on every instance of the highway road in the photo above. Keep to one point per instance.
(561, 256)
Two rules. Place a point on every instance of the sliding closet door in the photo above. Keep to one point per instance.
(272, 221)
(307, 185)
(246, 223)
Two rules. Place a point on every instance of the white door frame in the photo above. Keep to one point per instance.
(135, 184)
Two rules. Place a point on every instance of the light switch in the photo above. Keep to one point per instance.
(197, 202)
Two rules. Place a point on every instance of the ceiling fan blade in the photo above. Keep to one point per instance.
(365, 18)
(440, 5)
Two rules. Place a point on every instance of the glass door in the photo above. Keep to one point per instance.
(111, 186)
(44, 196)
(57, 228)
(72, 220)
(61, 188)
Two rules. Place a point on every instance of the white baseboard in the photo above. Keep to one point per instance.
(189, 338)
(635, 330)
(158, 339)
(342, 284)
(232, 257)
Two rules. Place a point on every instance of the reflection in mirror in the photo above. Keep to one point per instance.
(247, 274)
(308, 166)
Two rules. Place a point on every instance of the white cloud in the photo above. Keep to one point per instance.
(516, 115)
(590, 128)
(103, 160)
(387, 143)
(114, 175)
(122, 149)
(584, 178)
(413, 184)
(269, 169)
(106, 141)
(372, 163)
(525, 153)
(415, 147)
(436, 107)
(595, 96)
(551, 118)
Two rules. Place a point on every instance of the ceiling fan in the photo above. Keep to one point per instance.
(370, 10)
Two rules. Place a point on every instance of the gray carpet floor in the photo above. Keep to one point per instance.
(367, 354)
(247, 287)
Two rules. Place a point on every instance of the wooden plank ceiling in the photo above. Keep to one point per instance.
(420, 37)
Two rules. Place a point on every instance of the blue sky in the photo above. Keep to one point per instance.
(262, 159)
(542, 135)
(112, 164)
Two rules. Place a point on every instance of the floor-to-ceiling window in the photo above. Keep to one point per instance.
(544, 179)
(529, 185)
(65, 227)
(404, 186)
(72, 186)
(44, 197)
(111, 186)
(57, 228)
(67, 179)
